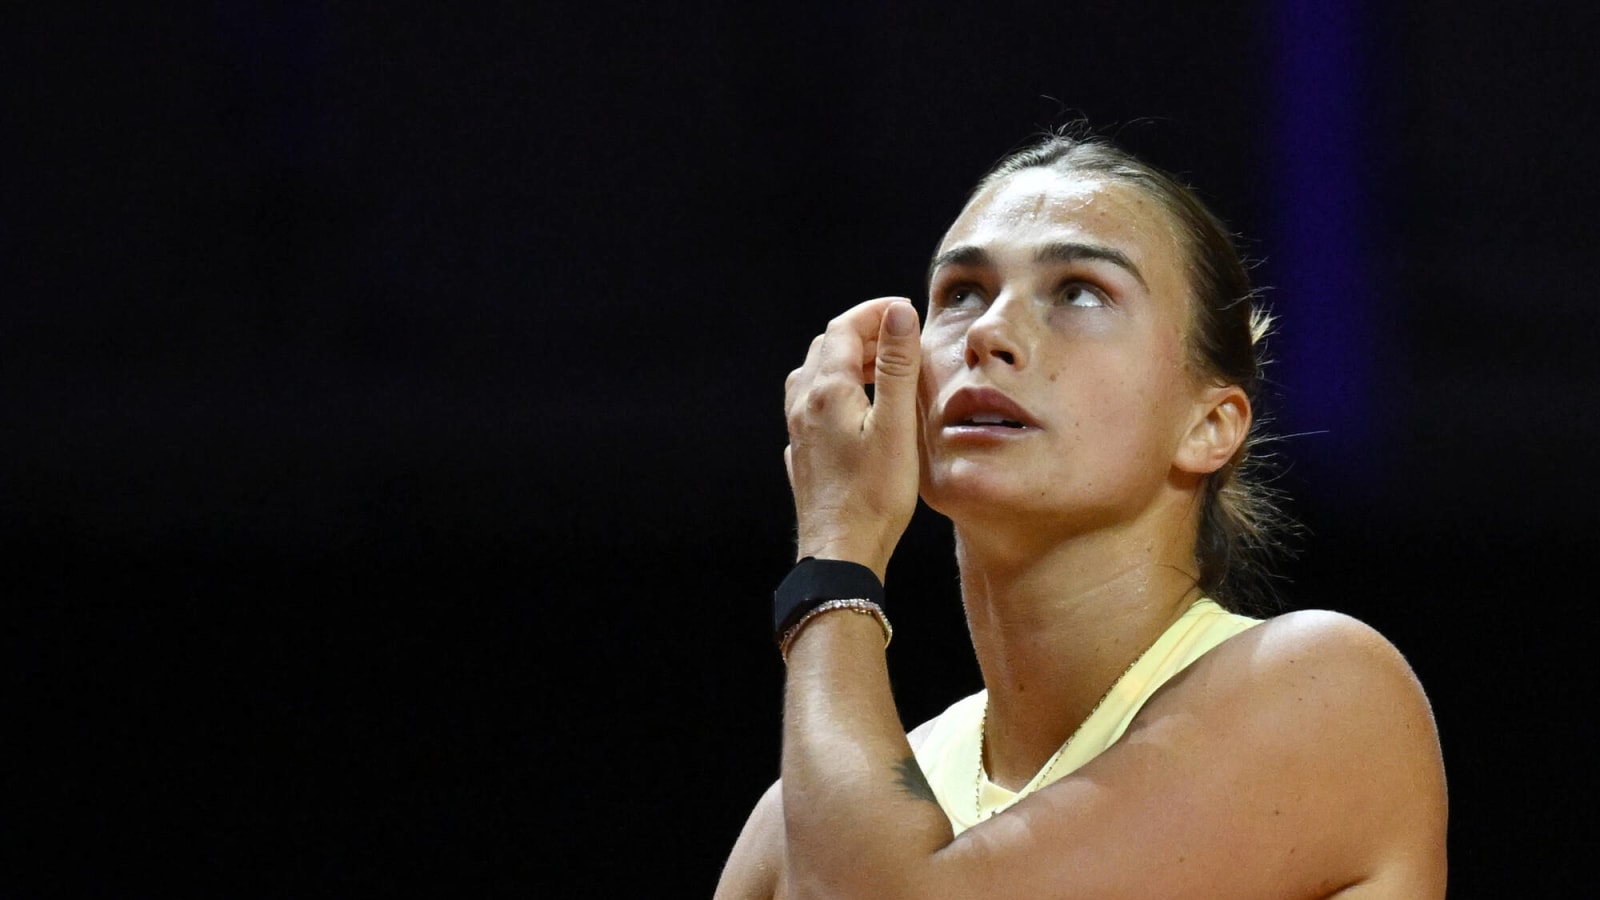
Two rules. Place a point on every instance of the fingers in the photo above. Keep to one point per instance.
(852, 460)
(797, 386)
(850, 343)
(841, 361)
(806, 367)
(898, 359)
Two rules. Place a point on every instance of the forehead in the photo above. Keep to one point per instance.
(1038, 206)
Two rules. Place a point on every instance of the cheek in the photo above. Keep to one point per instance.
(1127, 418)
(927, 378)
(940, 358)
(941, 340)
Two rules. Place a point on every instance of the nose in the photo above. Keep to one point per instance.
(1000, 335)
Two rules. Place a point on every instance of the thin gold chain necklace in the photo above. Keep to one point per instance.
(1050, 764)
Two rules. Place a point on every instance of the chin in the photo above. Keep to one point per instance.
(978, 494)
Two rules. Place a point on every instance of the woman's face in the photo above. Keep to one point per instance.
(1055, 380)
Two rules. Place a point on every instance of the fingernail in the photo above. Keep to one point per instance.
(902, 318)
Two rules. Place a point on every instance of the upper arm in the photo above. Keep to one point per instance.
(1297, 759)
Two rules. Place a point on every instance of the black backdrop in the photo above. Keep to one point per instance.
(392, 444)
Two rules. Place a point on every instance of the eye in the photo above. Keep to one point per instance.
(961, 296)
(1083, 295)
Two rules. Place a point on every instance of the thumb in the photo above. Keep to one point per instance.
(899, 359)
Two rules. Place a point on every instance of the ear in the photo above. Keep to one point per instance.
(1218, 431)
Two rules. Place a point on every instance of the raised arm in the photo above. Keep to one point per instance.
(1297, 760)
(853, 466)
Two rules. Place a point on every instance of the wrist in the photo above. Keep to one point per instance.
(844, 550)
(819, 585)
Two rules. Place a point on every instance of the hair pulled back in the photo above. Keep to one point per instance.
(1240, 521)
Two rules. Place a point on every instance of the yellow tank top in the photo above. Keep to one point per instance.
(949, 753)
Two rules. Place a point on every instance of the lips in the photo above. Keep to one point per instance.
(981, 407)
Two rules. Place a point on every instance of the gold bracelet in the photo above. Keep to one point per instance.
(855, 605)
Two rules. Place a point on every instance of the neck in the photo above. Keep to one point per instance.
(1055, 628)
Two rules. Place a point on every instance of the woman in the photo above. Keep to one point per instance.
(1078, 404)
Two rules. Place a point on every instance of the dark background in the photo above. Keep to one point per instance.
(392, 438)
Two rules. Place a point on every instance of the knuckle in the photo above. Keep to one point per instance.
(896, 361)
(822, 396)
(817, 401)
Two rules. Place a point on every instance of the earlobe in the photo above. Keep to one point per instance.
(1219, 432)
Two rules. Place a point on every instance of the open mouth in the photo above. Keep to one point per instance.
(978, 421)
(986, 408)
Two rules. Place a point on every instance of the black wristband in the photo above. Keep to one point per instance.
(813, 582)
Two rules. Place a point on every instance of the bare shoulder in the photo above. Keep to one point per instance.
(1331, 668)
(1324, 631)
(1310, 647)
(755, 866)
(1322, 708)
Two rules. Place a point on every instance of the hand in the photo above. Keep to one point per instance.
(853, 462)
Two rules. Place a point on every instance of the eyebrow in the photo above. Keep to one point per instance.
(967, 255)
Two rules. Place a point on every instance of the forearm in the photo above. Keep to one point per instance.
(859, 818)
